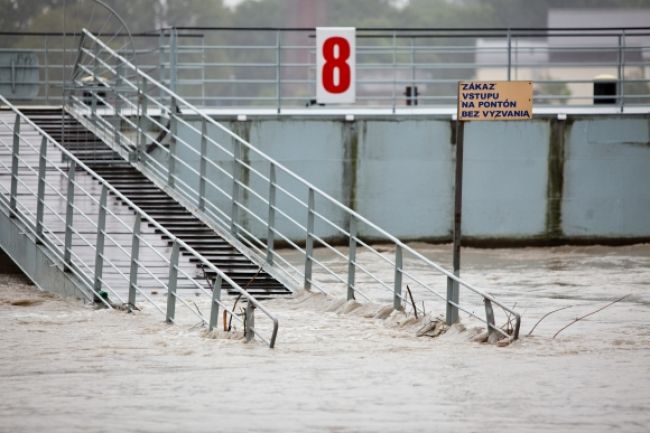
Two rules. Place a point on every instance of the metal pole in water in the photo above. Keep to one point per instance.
(40, 196)
(452, 285)
(14, 168)
(216, 298)
(99, 244)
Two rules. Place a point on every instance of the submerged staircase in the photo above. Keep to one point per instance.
(73, 136)
(226, 205)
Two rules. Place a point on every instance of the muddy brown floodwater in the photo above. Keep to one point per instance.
(65, 367)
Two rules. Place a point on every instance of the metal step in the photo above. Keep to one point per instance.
(167, 212)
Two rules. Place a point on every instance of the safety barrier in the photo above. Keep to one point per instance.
(410, 68)
(397, 68)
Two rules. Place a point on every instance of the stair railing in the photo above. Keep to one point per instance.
(76, 224)
(253, 200)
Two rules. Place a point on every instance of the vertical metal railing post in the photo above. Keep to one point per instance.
(509, 54)
(412, 64)
(94, 85)
(173, 127)
(161, 59)
(394, 96)
(352, 256)
(249, 322)
(621, 70)
(40, 195)
(47, 71)
(99, 243)
(489, 316)
(15, 149)
(216, 298)
(203, 59)
(278, 70)
(203, 163)
(309, 244)
(236, 170)
(142, 118)
(397, 290)
(171, 284)
(69, 212)
(270, 234)
(135, 254)
(117, 122)
(173, 58)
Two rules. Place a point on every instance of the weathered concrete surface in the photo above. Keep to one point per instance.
(544, 181)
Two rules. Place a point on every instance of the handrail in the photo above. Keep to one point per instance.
(430, 59)
(170, 181)
(179, 243)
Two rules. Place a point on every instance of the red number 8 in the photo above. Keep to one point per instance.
(336, 62)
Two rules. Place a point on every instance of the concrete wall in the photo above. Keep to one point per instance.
(586, 178)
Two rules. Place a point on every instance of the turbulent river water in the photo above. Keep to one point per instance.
(66, 367)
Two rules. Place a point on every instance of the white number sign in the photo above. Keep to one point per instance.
(335, 65)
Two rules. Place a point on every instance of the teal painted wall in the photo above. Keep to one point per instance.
(544, 180)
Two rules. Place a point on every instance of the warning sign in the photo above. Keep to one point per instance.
(495, 100)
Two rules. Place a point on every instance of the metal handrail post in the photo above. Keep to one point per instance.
(216, 299)
(95, 55)
(15, 148)
(489, 316)
(270, 235)
(94, 86)
(621, 70)
(47, 71)
(69, 212)
(99, 244)
(135, 254)
(203, 58)
(509, 54)
(171, 284)
(352, 257)
(278, 71)
(40, 196)
(397, 291)
(394, 72)
(309, 243)
(173, 127)
(412, 63)
(173, 53)
(142, 106)
(161, 58)
(202, 164)
(236, 175)
(118, 105)
(249, 322)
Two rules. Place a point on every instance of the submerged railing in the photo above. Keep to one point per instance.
(63, 212)
(255, 201)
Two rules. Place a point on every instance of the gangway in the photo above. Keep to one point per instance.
(166, 211)
(252, 201)
(73, 232)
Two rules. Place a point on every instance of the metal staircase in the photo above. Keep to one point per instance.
(215, 209)
(74, 233)
(165, 210)
(254, 202)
